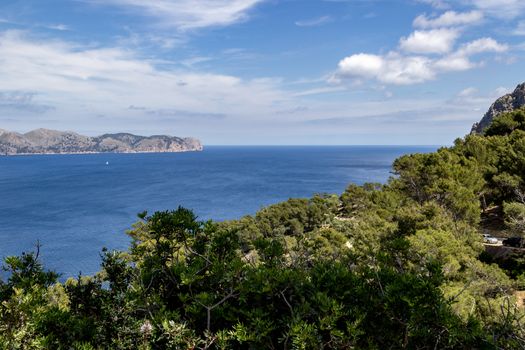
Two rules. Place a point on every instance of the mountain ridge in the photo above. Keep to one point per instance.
(506, 103)
(47, 141)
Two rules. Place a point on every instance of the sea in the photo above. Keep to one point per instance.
(74, 205)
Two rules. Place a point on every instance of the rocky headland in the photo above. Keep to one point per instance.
(504, 104)
(45, 141)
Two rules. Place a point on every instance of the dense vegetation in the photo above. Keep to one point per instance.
(392, 266)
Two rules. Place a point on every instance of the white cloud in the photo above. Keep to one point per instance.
(480, 46)
(500, 8)
(429, 41)
(314, 22)
(407, 70)
(189, 14)
(449, 19)
(390, 69)
(399, 69)
(362, 65)
(460, 59)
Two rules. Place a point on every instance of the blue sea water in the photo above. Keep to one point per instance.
(76, 204)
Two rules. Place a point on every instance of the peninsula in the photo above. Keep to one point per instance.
(45, 141)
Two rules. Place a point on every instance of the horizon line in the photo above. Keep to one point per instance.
(325, 145)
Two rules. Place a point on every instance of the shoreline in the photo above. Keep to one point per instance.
(94, 152)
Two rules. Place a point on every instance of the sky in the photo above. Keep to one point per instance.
(259, 72)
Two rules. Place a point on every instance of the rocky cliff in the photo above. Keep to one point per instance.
(44, 141)
(506, 103)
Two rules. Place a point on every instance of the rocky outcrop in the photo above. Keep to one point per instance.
(507, 103)
(44, 141)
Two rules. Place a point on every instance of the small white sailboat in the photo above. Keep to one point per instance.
(107, 163)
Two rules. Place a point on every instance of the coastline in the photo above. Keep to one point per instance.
(90, 152)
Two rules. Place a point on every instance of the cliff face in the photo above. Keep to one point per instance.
(44, 141)
(507, 103)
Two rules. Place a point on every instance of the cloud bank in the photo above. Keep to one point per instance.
(85, 81)
(431, 49)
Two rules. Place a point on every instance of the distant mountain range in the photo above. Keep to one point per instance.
(44, 141)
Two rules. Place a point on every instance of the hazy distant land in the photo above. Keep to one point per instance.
(44, 141)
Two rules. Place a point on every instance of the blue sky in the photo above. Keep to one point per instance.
(259, 71)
